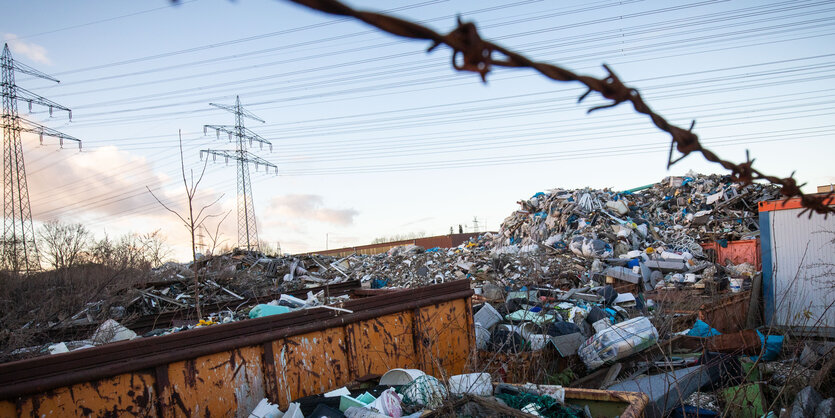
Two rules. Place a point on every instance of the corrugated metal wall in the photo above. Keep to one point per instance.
(801, 289)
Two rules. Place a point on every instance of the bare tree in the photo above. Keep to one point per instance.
(63, 244)
(154, 248)
(191, 221)
(214, 239)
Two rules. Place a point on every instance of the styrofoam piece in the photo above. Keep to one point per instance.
(472, 383)
(294, 411)
(111, 331)
(487, 316)
(537, 341)
(265, 409)
(624, 299)
(396, 377)
(58, 348)
(337, 392)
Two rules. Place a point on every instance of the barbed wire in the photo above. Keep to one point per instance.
(473, 54)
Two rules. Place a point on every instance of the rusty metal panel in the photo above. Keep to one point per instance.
(609, 402)
(225, 370)
(7, 409)
(130, 394)
(312, 363)
(738, 252)
(441, 328)
(229, 383)
(380, 344)
(728, 314)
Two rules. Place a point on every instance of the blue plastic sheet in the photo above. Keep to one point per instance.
(266, 310)
(773, 345)
(702, 329)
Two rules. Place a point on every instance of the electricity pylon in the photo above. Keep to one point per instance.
(247, 230)
(20, 254)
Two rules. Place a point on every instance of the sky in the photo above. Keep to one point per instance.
(375, 137)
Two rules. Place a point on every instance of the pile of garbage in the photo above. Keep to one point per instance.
(676, 214)
(412, 393)
(622, 342)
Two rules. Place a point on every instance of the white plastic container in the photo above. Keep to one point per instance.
(618, 341)
(487, 316)
(537, 341)
(472, 383)
(736, 285)
(396, 377)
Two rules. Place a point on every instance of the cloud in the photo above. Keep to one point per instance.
(309, 207)
(30, 50)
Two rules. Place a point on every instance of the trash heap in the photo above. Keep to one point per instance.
(676, 214)
(412, 393)
(597, 338)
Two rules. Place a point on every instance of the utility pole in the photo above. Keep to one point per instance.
(201, 246)
(20, 254)
(247, 230)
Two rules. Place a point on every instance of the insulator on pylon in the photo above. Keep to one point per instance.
(227, 160)
(60, 142)
(69, 112)
(30, 106)
(217, 132)
(214, 158)
(271, 147)
(50, 111)
(79, 145)
(256, 167)
(205, 130)
(250, 142)
(41, 137)
(230, 136)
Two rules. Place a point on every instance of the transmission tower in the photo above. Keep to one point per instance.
(475, 224)
(247, 230)
(20, 253)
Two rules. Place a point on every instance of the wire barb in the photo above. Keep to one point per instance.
(477, 56)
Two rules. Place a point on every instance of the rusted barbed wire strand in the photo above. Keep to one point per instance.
(474, 54)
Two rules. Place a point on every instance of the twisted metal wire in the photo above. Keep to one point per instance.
(474, 54)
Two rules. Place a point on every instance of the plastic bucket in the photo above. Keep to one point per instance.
(396, 377)
(736, 285)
